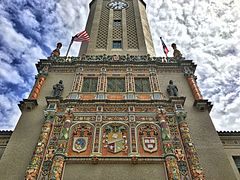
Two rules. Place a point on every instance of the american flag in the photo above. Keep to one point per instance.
(82, 36)
(165, 49)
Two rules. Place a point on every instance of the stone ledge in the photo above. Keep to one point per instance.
(203, 104)
(27, 104)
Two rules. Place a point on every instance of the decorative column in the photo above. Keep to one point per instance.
(199, 102)
(57, 167)
(154, 80)
(191, 153)
(130, 83)
(96, 141)
(78, 80)
(155, 84)
(38, 155)
(59, 157)
(40, 78)
(51, 148)
(31, 102)
(102, 80)
(170, 158)
(133, 138)
(194, 87)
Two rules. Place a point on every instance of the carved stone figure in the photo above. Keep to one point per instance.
(172, 89)
(56, 52)
(176, 53)
(66, 127)
(57, 89)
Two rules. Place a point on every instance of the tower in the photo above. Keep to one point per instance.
(118, 27)
(116, 111)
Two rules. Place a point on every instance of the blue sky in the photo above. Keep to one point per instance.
(206, 31)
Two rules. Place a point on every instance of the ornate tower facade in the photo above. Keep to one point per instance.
(118, 27)
(116, 111)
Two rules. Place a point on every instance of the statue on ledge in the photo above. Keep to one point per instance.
(172, 89)
(176, 53)
(56, 52)
(57, 89)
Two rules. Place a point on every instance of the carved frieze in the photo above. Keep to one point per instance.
(115, 118)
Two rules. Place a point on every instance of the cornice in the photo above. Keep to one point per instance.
(71, 63)
(228, 133)
(6, 132)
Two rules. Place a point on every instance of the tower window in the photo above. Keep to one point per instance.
(117, 23)
(117, 44)
(89, 85)
(142, 85)
(237, 162)
(116, 85)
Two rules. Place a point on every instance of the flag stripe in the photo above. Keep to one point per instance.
(82, 36)
(165, 49)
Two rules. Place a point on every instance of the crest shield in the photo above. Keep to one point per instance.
(115, 142)
(80, 144)
(149, 144)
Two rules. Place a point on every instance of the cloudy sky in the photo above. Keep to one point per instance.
(206, 31)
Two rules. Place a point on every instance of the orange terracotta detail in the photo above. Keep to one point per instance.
(195, 89)
(115, 97)
(37, 88)
(88, 97)
(144, 97)
(40, 82)
(34, 96)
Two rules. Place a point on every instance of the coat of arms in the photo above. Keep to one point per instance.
(148, 135)
(149, 144)
(80, 144)
(81, 138)
(115, 139)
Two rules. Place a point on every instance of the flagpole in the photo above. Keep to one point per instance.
(69, 47)
(164, 46)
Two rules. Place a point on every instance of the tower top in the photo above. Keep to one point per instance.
(118, 27)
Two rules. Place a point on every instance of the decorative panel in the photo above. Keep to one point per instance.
(77, 83)
(102, 36)
(179, 148)
(131, 26)
(154, 80)
(117, 25)
(114, 133)
(129, 80)
(102, 81)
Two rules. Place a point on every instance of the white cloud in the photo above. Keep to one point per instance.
(208, 33)
(9, 74)
(28, 19)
